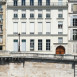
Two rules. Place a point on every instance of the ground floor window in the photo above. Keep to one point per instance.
(47, 44)
(0, 47)
(40, 44)
(31, 45)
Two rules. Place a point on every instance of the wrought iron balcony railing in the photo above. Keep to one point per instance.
(37, 4)
(72, 0)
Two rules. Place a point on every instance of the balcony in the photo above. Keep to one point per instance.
(72, 0)
(19, 4)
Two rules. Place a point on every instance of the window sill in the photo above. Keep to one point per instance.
(31, 18)
(60, 18)
(23, 33)
(15, 18)
(23, 18)
(48, 18)
(39, 18)
(60, 43)
(15, 33)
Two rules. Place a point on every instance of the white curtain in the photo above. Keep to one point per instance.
(48, 27)
(40, 27)
(24, 27)
(32, 27)
(15, 27)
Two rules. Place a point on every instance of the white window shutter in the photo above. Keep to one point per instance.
(48, 27)
(40, 27)
(15, 27)
(71, 34)
(71, 21)
(23, 27)
(32, 27)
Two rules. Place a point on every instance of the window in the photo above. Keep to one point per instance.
(74, 21)
(60, 40)
(39, 27)
(15, 2)
(31, 15)
(1, 29)
(1, 8)
(23, 14)
(47, 2)
(1, 18)
(15, 45)
(1, 39)
(23, 45)
(31, 27)
(31, 45)
(15, 14)
(23, 27)
(39, 15)
(60, 13)
(74, 7)
(31, 2)
(47, 15)
(40, 44)
(60, 27)
(0, 47)
(74, 34)
(47, 44)
(60, 2)
(23, 2)
(48, 28)
(15, 28)
(39, 2)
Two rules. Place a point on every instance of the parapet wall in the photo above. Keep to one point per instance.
(37, 69)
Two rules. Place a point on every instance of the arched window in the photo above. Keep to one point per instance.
(60, 50)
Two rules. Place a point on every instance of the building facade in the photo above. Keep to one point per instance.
(2, 24)
(37, 25)
(72, 25)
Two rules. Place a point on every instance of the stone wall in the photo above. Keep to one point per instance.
(37, 69)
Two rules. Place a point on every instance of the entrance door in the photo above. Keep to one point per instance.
(60, 50)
